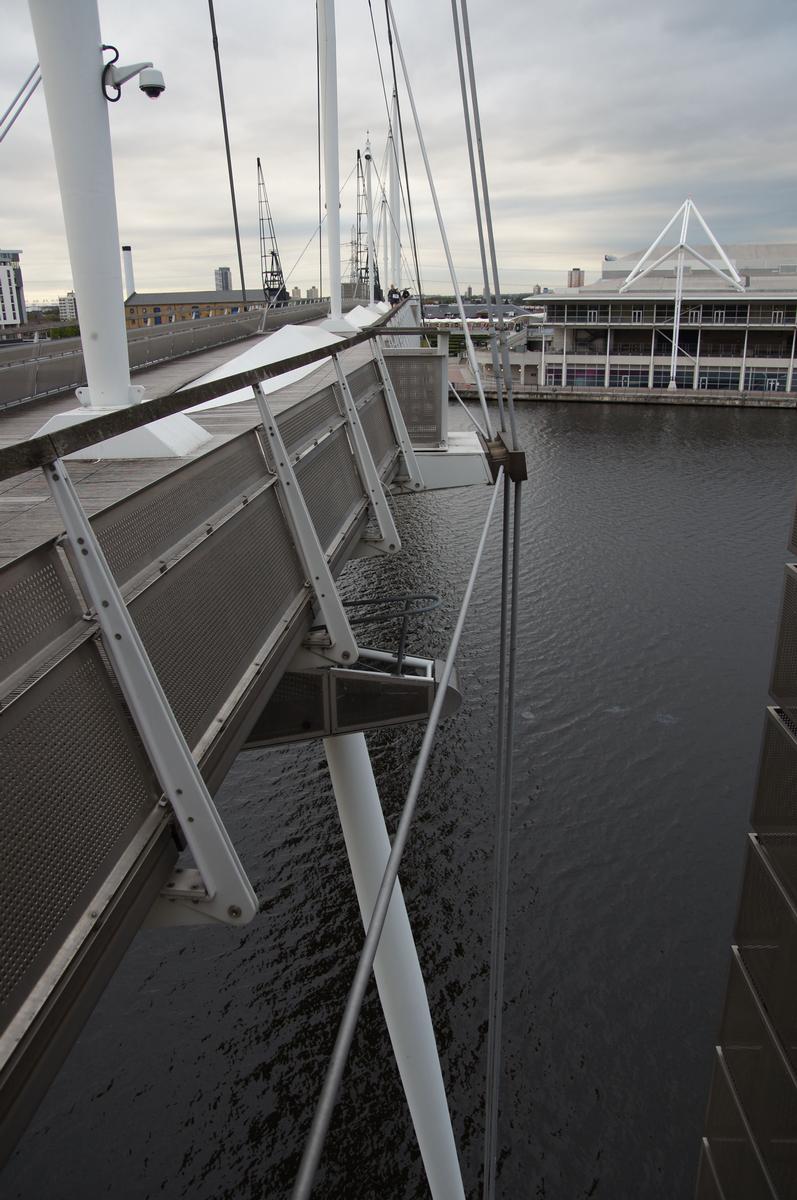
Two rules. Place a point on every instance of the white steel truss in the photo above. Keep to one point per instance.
(729, 275)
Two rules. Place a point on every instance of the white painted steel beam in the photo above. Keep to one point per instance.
(329, 123)
(228, 897)
(396, 966)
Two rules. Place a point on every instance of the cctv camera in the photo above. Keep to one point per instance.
(151, 83)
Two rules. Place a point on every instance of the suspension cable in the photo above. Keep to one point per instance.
(318, 151)
(6, 127)
(488, 217)
(468, 413)
(443, 235)
(479, 228)
(404, 157)
(227, 148)
(326, 1102)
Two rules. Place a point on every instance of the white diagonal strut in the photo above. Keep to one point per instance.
(343, 648)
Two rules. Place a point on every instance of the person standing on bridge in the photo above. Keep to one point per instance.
(393, 294)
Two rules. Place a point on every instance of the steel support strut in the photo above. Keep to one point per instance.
(396, 967)
(229, 896)
(343, 647)
(397, 420)
(388, 540)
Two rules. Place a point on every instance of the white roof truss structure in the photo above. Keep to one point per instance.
(645, 265)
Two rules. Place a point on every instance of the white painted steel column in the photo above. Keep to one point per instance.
(68, 42)
(679, 291)
(696, 372)
(369, 203)
(743, 371)
(329, 124)
(396, 968)
(790, 375)
(652, 356)
(386, 282)
(394, 199)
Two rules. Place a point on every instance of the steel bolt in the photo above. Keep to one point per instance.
(234, 911)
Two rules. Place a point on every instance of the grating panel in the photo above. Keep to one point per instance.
(363, 378)
(378, 429)
(204, 621)
(784, 674)
(418, 386)
(37, 606)
(296, 709)
(137, 531)
(793, 537)
(313, 416)
(75, 789)
(330, 485)
(775, 805)
(360, 700)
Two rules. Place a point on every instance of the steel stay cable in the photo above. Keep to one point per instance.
(404, 156)
(468, 413)
(441, 225)
(215, 40)
(10, 124)
(479, 227)
(19, 93)
(488, 220)
(337, 1064)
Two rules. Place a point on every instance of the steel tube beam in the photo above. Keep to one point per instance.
(394, 186)
(396, 966)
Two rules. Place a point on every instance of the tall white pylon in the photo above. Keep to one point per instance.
(730, 275)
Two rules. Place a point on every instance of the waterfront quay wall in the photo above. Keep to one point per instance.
(684, 396)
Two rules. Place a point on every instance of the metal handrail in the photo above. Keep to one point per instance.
(405, 614)
(39, 451)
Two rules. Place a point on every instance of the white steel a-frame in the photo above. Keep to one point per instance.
(730, 275)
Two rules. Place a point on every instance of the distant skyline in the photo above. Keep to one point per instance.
(599, 118)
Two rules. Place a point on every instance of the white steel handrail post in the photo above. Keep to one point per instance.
(388, 540)
(343, 647)
(370, 216)
(397, 419)
(229, 896)
(69, 43)
(396, 967)
(329, 122)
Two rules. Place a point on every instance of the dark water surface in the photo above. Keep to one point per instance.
(653, 548)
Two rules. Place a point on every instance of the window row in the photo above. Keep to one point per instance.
(692, 313)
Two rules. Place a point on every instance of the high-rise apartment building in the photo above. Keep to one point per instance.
(12, 296)
(312, 293)
(296, 293)
(222, 279)
(67, 307)
(575, 277)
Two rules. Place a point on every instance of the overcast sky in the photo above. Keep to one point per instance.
(599, 117)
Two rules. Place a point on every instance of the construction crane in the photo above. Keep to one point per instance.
(274, 288)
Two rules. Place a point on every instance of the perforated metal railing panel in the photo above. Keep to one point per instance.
(378, 429)
(775, 805)
(363, 379)
(300, 424)
(784, 676)
(75, 788)
(418, 382)
(737, 1165)
(37, 607)
(225, 597)
(140, 529)
(331, 486)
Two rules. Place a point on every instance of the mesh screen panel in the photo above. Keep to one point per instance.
(204, 621)
(58, 373)
(378, 430)
(775, 803)
(362, 379)
(296, 708)
(138, 530)
(36, 607)
(784, 675)
(75, 788)
(313, 416)
(417, 383)
(793, 537)
(330, 485)
(362, 700)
